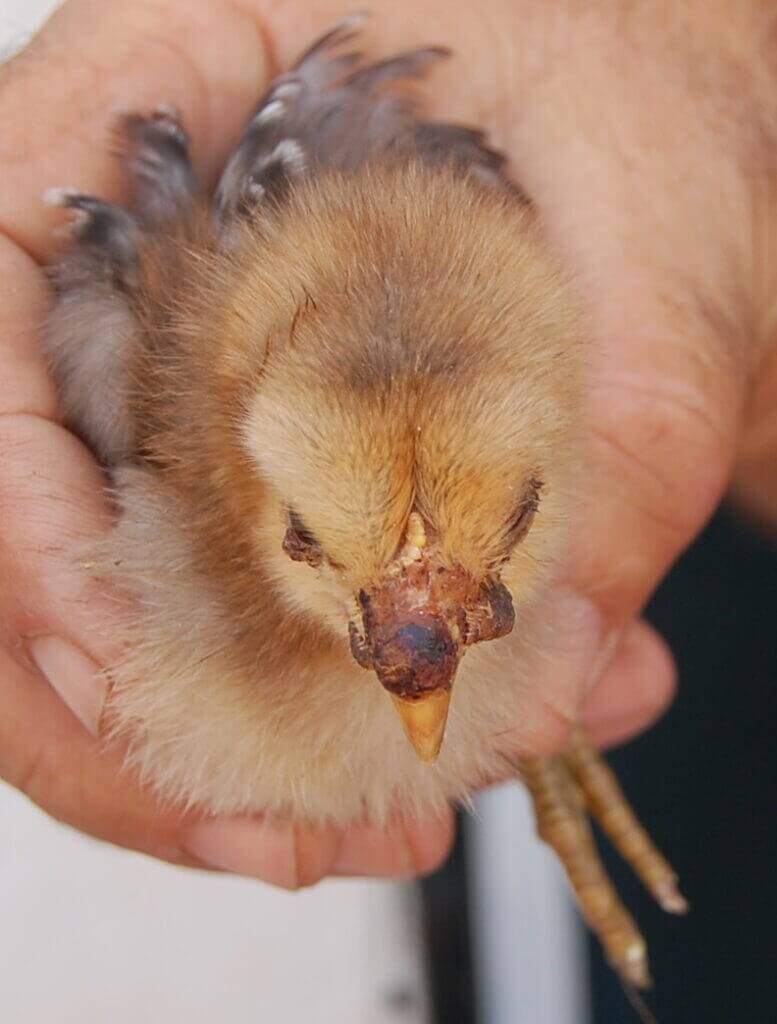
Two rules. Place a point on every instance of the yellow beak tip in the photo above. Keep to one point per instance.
(424, 720)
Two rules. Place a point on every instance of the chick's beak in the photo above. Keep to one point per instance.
(415, 657)
(413, 631)
(424, 720)
(414, 653)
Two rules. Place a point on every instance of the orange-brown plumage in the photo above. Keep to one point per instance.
(327, 372)
(340, 406)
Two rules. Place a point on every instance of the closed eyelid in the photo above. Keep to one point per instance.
(303, 532)
(522, 519)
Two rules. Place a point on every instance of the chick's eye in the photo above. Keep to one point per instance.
(518, 526)
(302, 532)
(299, 543)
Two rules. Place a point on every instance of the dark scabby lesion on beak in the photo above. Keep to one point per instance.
(410, 657)
(413, 631)
(415, 626)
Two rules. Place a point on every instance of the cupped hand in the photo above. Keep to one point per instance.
(638, 133)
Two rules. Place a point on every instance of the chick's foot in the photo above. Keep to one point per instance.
(568, 789)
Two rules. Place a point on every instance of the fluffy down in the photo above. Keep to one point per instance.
(363, 323)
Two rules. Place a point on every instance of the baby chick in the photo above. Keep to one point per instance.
(338, 403)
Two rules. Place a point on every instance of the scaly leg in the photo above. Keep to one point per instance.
(567, 788)
(607, 803)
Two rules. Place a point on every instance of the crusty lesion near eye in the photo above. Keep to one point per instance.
(518, 526)
(299, 543)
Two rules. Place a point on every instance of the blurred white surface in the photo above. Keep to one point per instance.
(19, 18)
(92, 934)
(529, 947)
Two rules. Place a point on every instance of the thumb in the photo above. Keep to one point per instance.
(663, 421)
(52, 513)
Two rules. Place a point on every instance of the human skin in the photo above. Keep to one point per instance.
(645, 135)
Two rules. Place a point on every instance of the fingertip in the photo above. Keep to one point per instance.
(404, 848)
(256, 848)
(430, 842)
(315, 848)
(296, 856)
(635, 690)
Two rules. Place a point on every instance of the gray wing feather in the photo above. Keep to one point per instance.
(90, 332)
(330, 111)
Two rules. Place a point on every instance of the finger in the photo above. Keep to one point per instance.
(52, 515)
(636, 689)
(662, 440)
(49, 507)
(616, 690)
(655, 265)
(25, 385)
(293, 856)
(47, 754)
(414, 848)
(55, 626)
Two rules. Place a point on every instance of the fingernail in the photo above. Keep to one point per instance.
(249, 847)
(75, 677)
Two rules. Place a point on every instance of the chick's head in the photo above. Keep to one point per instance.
(410, 412)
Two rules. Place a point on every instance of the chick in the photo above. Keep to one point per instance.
(339, 405)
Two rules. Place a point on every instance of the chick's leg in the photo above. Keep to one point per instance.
(565, 790)
(607, 803)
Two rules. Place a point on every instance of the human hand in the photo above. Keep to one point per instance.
(665, 399)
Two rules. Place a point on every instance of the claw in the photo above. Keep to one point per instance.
(106, 231)
(608, 805)
(565, 789)
(155, 150)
